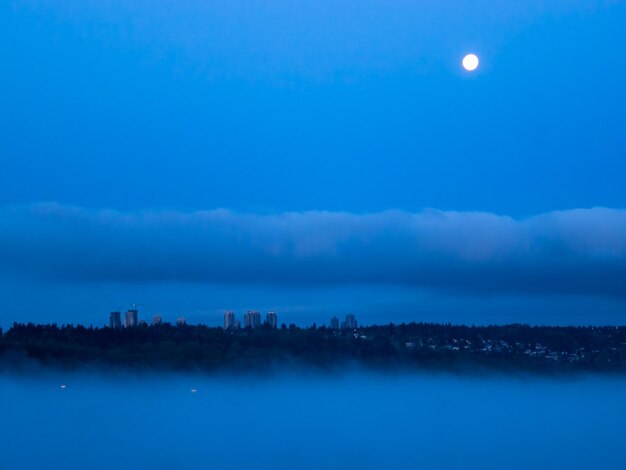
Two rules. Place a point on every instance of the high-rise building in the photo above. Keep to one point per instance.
(229, 320)
(132, 318)
(115, 320)
(252, 319)
(350, 322)
(271, 319)
(334, 323)
(157, 320)
(180, 321)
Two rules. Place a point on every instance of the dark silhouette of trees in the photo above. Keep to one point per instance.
(413, 345)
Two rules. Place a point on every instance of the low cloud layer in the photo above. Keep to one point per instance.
(579, 251)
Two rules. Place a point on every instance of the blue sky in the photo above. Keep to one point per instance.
(324, 112)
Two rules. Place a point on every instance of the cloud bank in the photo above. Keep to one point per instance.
(580, 251)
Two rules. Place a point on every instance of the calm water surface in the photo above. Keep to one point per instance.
(356, 420)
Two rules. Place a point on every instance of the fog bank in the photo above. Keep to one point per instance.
(356, 420)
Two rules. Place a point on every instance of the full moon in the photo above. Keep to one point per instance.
(470, 62)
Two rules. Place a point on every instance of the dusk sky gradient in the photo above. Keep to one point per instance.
(315, 158)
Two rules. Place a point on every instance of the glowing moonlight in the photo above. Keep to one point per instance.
(470, 62)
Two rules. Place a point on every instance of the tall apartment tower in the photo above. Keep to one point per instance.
(229, 320)
(115, 320)
(334, 323)
(252, 319)
(271, 319)
(350, 322)
(132, 318)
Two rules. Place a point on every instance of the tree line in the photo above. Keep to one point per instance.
(411, 345)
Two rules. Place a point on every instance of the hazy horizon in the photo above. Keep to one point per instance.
(358, 420)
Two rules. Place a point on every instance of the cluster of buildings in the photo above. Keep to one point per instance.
(131, 319)
(251, 319)
(348, 324)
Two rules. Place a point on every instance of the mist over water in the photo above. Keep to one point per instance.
(354, 420)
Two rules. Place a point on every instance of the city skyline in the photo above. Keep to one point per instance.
(251, 319)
